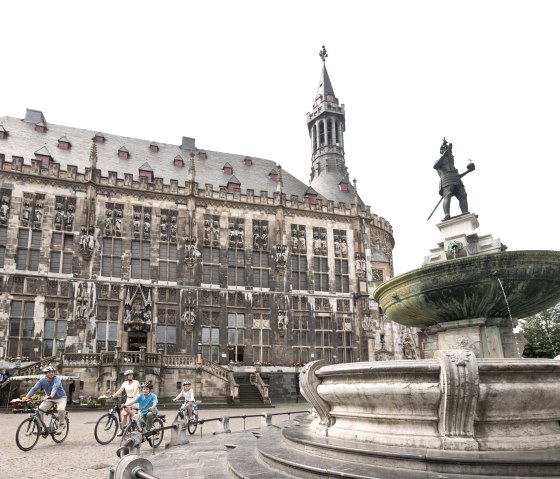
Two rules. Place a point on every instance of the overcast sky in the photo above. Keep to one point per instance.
(240, 76)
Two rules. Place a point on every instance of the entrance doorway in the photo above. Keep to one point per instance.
(137, 339)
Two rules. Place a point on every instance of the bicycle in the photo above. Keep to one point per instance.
(107, 425)
(138, 423)
(193, 421)
(29, 431)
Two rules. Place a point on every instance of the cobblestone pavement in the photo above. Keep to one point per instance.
(81, 457)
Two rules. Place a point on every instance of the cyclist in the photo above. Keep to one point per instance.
(147, 402)
(54, 394)
(132, 389)
(188, 396)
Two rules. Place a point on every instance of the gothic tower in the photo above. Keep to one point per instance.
(326, 124)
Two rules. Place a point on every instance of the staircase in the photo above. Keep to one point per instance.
(249, 395)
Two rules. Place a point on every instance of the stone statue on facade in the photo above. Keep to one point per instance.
(4, 209)
(450, 180)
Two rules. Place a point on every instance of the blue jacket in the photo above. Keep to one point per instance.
(54, 385)
(146, 402)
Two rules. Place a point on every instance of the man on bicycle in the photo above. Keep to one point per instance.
(132, 388)
(54, 394)
(188, 396)
(147, 402)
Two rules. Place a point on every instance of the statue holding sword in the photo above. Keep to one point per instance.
(450, 183)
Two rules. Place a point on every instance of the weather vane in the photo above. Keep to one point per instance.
(323, 53)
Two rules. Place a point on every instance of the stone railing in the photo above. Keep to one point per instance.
(77, 360)
(215, 369)
(257, 380)
(179, 360)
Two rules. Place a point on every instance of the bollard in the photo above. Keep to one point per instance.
(129, 466)
(222, 425)
(178, 433)
(131, 445)
(266, 419)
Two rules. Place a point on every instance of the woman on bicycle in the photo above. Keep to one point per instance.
(132, 389)
(54, 394)
(188, 396)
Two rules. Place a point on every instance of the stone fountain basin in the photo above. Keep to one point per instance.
(468, 287)
(455, 402)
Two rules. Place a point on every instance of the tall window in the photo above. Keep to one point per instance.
(168, 262)
(29, 245)
(300, 333)
(236, 252)
(342, 278)
(236, 337)
(261, 269)
(62, 252)
(140, 259)
(299, 272)
(20, 334)
(167, 314)
(323, 337)
(3, 240)
(211, 265)
(344, 333)
(56, 326)
(261, 338)
(211, 336)
(236, 267)
(111, 258)
(166, 336)
(320, 260)
(107, 316)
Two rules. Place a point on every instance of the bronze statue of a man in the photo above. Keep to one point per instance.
(450, 183)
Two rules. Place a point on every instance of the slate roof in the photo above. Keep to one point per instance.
(24, 141)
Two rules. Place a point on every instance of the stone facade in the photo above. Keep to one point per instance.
(116, 244)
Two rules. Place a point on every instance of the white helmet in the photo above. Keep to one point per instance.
(128, 371)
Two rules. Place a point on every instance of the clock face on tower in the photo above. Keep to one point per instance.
(377, 274)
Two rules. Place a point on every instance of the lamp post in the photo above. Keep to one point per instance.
(199, 353)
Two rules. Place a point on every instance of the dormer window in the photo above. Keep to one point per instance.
(178, 161)
(123, 153)
(233, 184)
(99, 138)
(154, 148)
(202, 155)
(3, 133)
(311, 195)
(41, 127)
(273, 175)
(43, 156)
(248, 161)
(146, 171)
(64, 143)
(330, 98)
(343, 186)
(228, 169)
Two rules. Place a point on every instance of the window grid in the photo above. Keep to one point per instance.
(3, 240)
(29, 245)
(261, 338)
(342, 276)
(107, 326)
(210, 265)
(20, 333)
(140, 259)
(62, 253)
(168, 262)
(300, 332)
(261, 269)
(211, 343)
(236, 336)
(344, 333)
(299, 272)
(111, 258)
(323, 337)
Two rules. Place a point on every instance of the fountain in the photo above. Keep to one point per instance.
(472, 407)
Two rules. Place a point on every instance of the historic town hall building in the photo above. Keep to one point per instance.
(181, 261)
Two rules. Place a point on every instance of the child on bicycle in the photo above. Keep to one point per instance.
(188, 396)
(54, 394)
(132, 388)
(147, 403)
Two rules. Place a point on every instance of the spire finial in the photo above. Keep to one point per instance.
(323, 53)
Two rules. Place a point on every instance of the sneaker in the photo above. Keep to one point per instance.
(60, 429)
(121, 432)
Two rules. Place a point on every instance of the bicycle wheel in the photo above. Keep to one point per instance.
(192, 424)
(106, 428)
(58, 438)
(27, 434)
(131, 427)
(155, 439)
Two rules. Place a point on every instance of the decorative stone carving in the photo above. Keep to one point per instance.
(281, 257)
(4, 209)
(282, 321)
(408, 348)
(190, 303)
(308, 383)
(138, 309)
(459, 384)
(83, 303)
(360, 265)
(191, 251)
(87, 242)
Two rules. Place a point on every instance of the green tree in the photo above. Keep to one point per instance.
(542, 332)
